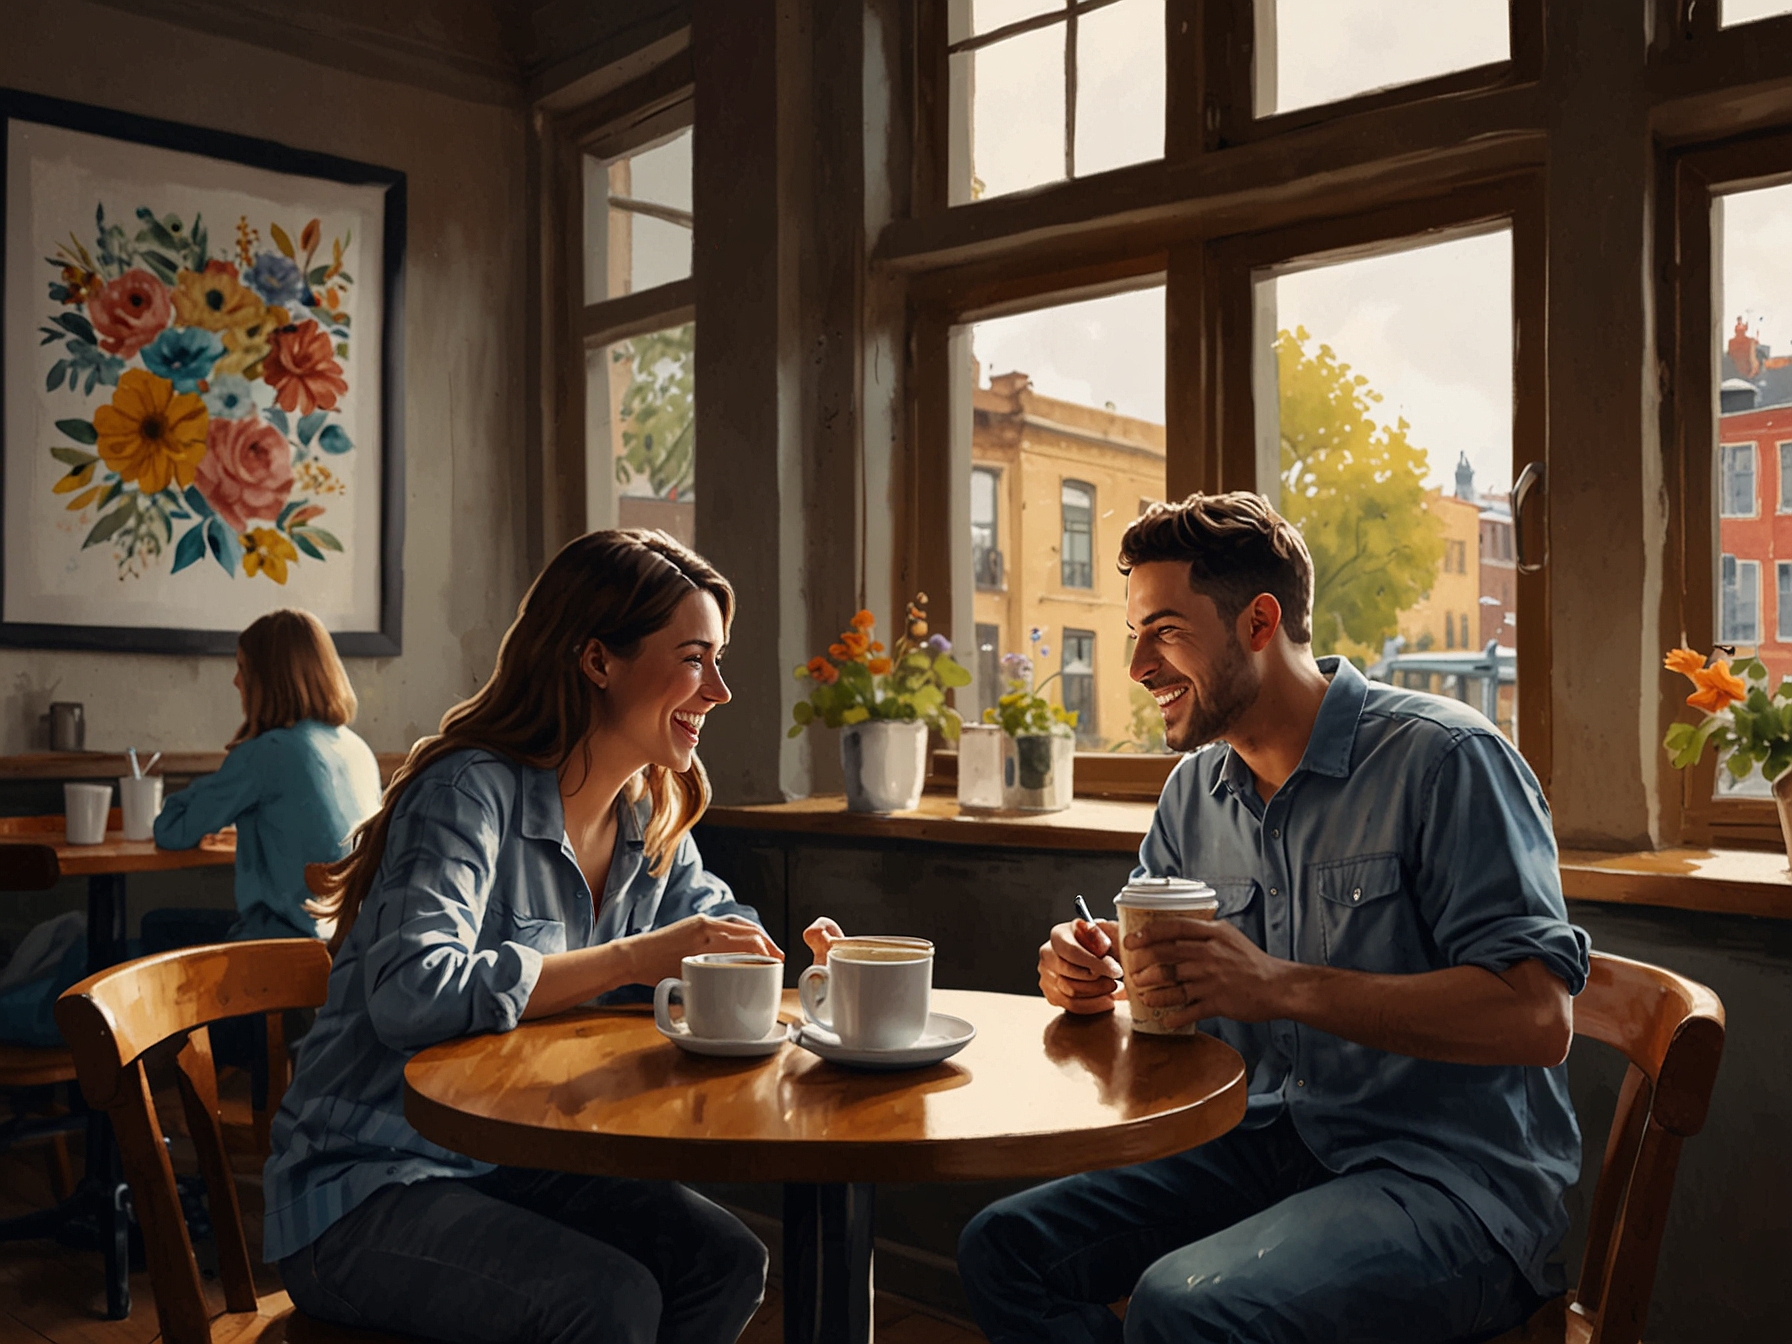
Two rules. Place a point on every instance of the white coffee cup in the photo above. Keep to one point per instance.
(874, 993)
(727, 996)
(140, 800)
(84, 810)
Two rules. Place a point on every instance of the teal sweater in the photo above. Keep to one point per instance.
(295, 795)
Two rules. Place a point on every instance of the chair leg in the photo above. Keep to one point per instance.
(62, 1174)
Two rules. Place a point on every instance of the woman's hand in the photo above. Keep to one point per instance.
(822, 935)
(657, 954)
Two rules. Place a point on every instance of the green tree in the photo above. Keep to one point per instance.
(659, 411)
(1356, 490)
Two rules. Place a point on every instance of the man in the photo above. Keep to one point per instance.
(1391, 957)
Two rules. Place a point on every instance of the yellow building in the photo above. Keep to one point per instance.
(1449, 616)
(1053, 486)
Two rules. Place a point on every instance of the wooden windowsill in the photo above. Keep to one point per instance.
(1724, 881)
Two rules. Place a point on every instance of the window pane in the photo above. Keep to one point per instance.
(1389, 444)
(1067, 415)
(986, 554)
(641, 409)
(988, 15)
(1016, 92)
(1785, 505)
(1324, 50)
(1119, 86)
(1746, 11)
(1740, 604)
(1783, 602)
(638, 219)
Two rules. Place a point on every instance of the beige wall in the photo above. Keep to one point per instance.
(1456, 590)
(464, 339)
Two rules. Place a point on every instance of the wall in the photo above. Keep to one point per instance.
(1730, 1225)
(464, 370)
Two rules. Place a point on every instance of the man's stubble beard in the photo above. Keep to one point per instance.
(1236, 685)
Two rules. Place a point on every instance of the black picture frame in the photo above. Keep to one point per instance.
(387, 640)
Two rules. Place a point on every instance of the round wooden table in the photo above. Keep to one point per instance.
(1038, 1094)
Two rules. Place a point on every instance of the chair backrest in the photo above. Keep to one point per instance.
(109, 1020)
(1671, 1029)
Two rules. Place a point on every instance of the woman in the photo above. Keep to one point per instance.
(533, 856)
(296, 783)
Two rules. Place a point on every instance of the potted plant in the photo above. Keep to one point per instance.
(883, 701)
(1744, 723)
(1039, 738)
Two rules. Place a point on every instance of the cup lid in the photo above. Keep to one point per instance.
(1169, 891)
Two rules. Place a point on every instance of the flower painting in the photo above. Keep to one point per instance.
(198, 426)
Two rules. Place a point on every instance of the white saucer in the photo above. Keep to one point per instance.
(700, 1045)
(945, 1036)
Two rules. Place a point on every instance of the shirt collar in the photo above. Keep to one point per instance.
(1333, 741)
(544, 815)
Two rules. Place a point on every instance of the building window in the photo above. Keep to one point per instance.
(1466, 643)
(1077, 549)
(1078, 678)
(1737, 491)
(986, 556)
(1739, 601)
(1785, 450)
(1783, 610)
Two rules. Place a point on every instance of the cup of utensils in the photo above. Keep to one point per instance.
(868, 1006)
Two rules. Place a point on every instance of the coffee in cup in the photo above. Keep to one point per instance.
(727, 996)
(1140, 904)
(873, 993)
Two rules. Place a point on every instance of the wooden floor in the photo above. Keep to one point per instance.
(50, 1293)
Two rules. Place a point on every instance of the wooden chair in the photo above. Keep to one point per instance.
(25, 1067)
(1671, 1029)
(110, 1020)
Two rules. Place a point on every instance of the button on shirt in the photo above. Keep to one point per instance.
(1412, 837)
(477, 884)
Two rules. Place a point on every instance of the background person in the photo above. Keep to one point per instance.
(1392, 959)
(533, 856)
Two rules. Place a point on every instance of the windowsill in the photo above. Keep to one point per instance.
(1724, 881)
(112, 765)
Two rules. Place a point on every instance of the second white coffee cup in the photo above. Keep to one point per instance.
(139, 800)
(874, 994)
(85, 809)
(727, 996)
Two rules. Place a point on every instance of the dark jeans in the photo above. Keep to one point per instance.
(535, 1256)
(1245, 1240)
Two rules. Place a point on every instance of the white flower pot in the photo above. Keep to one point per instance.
(1037, 770)
(1782, 797)
(885, 764)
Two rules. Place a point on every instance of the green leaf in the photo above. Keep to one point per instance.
(1740, 764)
(281, 241)
(191, 548)
(857, 714)
(796, 731)
(166, 268)
(317, 534)
(81, 431)
(310, 424)
(72, 457)
(803, 712)
(108, 525)
(303, 542)
(225, 547)
(950, 671)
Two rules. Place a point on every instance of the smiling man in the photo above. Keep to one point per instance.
(1391, 957)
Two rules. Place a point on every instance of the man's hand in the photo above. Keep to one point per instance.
(1198, 968)
(1077, 971)
(820, 936)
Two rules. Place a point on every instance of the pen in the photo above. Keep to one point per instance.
(1082, 910)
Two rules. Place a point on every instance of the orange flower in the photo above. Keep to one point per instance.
(879, 666)
(877, 646)
(855, 643)
(839, 651)
(864, 620)
(1684, 661)
(301, 367)
(824, 671)
(1718, 688)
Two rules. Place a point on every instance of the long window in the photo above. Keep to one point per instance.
(1737, 467)
(1077, 566)
(1785, 456)
(986, 554)
(1783, 603)
(1078, 675)
(1739, 606)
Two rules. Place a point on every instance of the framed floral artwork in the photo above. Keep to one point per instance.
(200, 394)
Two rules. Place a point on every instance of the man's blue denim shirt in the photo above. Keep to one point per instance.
(478, 882)
(1412, 837)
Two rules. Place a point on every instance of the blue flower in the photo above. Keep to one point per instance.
(277, 279)
(184, 356)
(939, 644)
(230, 398)
(1035, 634)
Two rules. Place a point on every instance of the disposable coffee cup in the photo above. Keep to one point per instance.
(873, 993)
(1141, 903)
(139, 800)
(84, 810)
(727, 996)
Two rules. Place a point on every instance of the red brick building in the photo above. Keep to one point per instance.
(1754, 504)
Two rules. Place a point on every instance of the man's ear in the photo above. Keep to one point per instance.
(1258, 622)
(594, 662)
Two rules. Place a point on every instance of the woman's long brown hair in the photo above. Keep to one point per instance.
(615, 587)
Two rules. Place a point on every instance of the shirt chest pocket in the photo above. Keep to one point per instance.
(1238, 905)
(1366, 923)
(544, 935)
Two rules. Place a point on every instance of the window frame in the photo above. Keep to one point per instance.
(1783, 455)
(998, 582)
(1724, 450)
(1782, 607)
(1736, 637)
(1065, 533)
(1065, 635)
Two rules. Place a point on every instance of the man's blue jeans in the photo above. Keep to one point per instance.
(535, 1255)
(1245, 1239)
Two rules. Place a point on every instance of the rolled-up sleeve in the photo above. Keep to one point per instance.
(427, 978)
(691, 889)
(1489, 885)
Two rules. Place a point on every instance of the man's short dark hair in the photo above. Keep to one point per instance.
(1235, 546)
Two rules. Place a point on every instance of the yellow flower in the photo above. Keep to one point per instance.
(265, 551)
(246, 346)
(1718, 688)
(150, 434)
(1684, 661)
(216, 300)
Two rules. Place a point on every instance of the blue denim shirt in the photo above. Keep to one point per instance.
(478, 882)
(1412, 837)
(295, 795)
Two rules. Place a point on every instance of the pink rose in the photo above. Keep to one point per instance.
(128, 312)
(246, 471)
